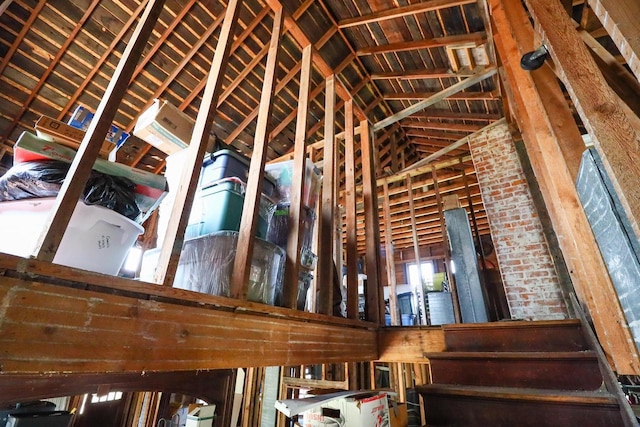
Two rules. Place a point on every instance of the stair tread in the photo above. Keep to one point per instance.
(553, 355)
(599, 397)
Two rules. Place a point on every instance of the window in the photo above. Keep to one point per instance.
(427, 274)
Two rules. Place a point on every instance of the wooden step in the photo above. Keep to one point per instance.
(449, 405)
(562, 335)
(544, 370)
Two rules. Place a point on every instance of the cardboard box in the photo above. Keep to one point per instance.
(360, 410)
(150, 188)
(201, 417)
(166, 127)
(81, 118)
(56, 131)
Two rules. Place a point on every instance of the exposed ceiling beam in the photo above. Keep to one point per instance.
(440, 126)
(470, 40)
(434, 99)
(398, 12)
(23, 32)
(436, 73)
(453, 146)
(449, 136)
(452, 115)
(461, 96)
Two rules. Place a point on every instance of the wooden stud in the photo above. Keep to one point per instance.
(350, 208)
(248, 223)
(185, 193)
(326, 251)
(373, 291)
(294, 241)
(87, 154)
(390, 261)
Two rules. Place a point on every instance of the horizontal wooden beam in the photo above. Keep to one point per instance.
(472, 40)
(409, 344)
(436, 73)
(431, 113)
(461, 96)
(454, 126)
(118, 325)
(445, 93)
(398, 12)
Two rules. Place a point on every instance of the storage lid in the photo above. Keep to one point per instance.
(211, 158)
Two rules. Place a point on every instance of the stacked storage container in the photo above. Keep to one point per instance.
(211, 237)
(282, 173)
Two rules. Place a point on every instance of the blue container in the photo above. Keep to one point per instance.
(225, 164)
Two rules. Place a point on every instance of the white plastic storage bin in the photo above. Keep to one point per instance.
(97, 239)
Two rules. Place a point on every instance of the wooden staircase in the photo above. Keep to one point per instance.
(521, 374)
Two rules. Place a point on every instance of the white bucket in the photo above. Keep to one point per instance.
(97, 239)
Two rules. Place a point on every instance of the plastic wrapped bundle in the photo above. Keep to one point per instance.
(206, 264)
(43, 178)
(279, 226)
(282, 173)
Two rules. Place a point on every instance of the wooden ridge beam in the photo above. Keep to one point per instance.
(398, 12)
(472, 39)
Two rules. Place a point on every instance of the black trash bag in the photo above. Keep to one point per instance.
(43, 179)
(114, 192)
(33, 179)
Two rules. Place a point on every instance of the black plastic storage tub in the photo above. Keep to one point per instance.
(227, 163)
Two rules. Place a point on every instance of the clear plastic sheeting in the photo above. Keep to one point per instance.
(206, 264)
(282, 173)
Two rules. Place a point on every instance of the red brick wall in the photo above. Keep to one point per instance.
(530, 281)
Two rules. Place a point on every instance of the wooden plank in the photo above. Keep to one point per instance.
(462, 96)
(409, 344)
(434, 99)
(313, 384)
(50, 328)
(294, 241)
(172, 244)
(472, 39)
(460, 143)
(3, 6)
(248, 223)
(373, 293)
(569, 220)
(398, 12)
(23, 32)
(350, 209)
(619, 17)
(614, 136)
(389, 258)
(80, 168)
(325, 224)
(52, 64)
